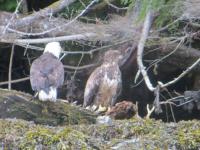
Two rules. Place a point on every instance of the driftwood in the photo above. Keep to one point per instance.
(19, 105)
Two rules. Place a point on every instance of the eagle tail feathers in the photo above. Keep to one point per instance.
(51, 95)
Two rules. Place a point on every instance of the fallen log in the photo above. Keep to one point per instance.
(14, 104)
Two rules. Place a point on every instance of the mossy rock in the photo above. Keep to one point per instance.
(126, 134)
(14, 104)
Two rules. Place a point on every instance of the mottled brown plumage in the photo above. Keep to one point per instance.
(104, 84)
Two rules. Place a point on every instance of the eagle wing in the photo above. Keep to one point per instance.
(46, 71)
(37, 78)
(92, 86)
(56, 77)
(117, 89)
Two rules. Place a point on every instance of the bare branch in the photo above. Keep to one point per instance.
(141, 44)
(114, 6)
(80, 67)
(52, 39)
(149, 111)
(180, 76)
(14, 81)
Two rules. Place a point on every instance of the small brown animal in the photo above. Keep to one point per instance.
(123, 110)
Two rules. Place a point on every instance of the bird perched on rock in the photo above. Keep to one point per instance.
(47, 72)
(104, 84)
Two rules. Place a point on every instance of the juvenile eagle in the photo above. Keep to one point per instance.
(47, 72)
(104, 84)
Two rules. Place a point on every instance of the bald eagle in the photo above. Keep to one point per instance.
(104, 84)
(47, 72)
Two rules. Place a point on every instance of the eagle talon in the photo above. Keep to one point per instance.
(94, 107)
(101, 109)
(88, 107)
(109, 108)
(74, 103)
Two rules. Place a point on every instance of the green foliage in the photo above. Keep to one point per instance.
(75, 8)
(167, 10)
(8, 5)
(146, 5)
(127, 2)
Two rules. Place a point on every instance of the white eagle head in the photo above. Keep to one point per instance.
(53, 48)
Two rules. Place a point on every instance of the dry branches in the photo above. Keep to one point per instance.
(48, 11)
(143, 70)
(13, 16)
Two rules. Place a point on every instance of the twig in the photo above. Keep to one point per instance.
(10, 67)
(80, 67)
(181, 75)
(149, 111)
(168, 25)
(14, 81)
(170, 53)
(73, 77)
(13, 15)
(114, 6)
(170, 106)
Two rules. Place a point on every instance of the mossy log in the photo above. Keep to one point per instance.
(14, 104)
(131, 134)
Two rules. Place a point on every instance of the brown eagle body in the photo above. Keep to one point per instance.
(46, 72)
(104, 84)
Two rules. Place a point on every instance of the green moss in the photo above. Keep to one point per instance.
(38, 136)
(66, 138)
(144, 133)
(142, 127)
(189, 135)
